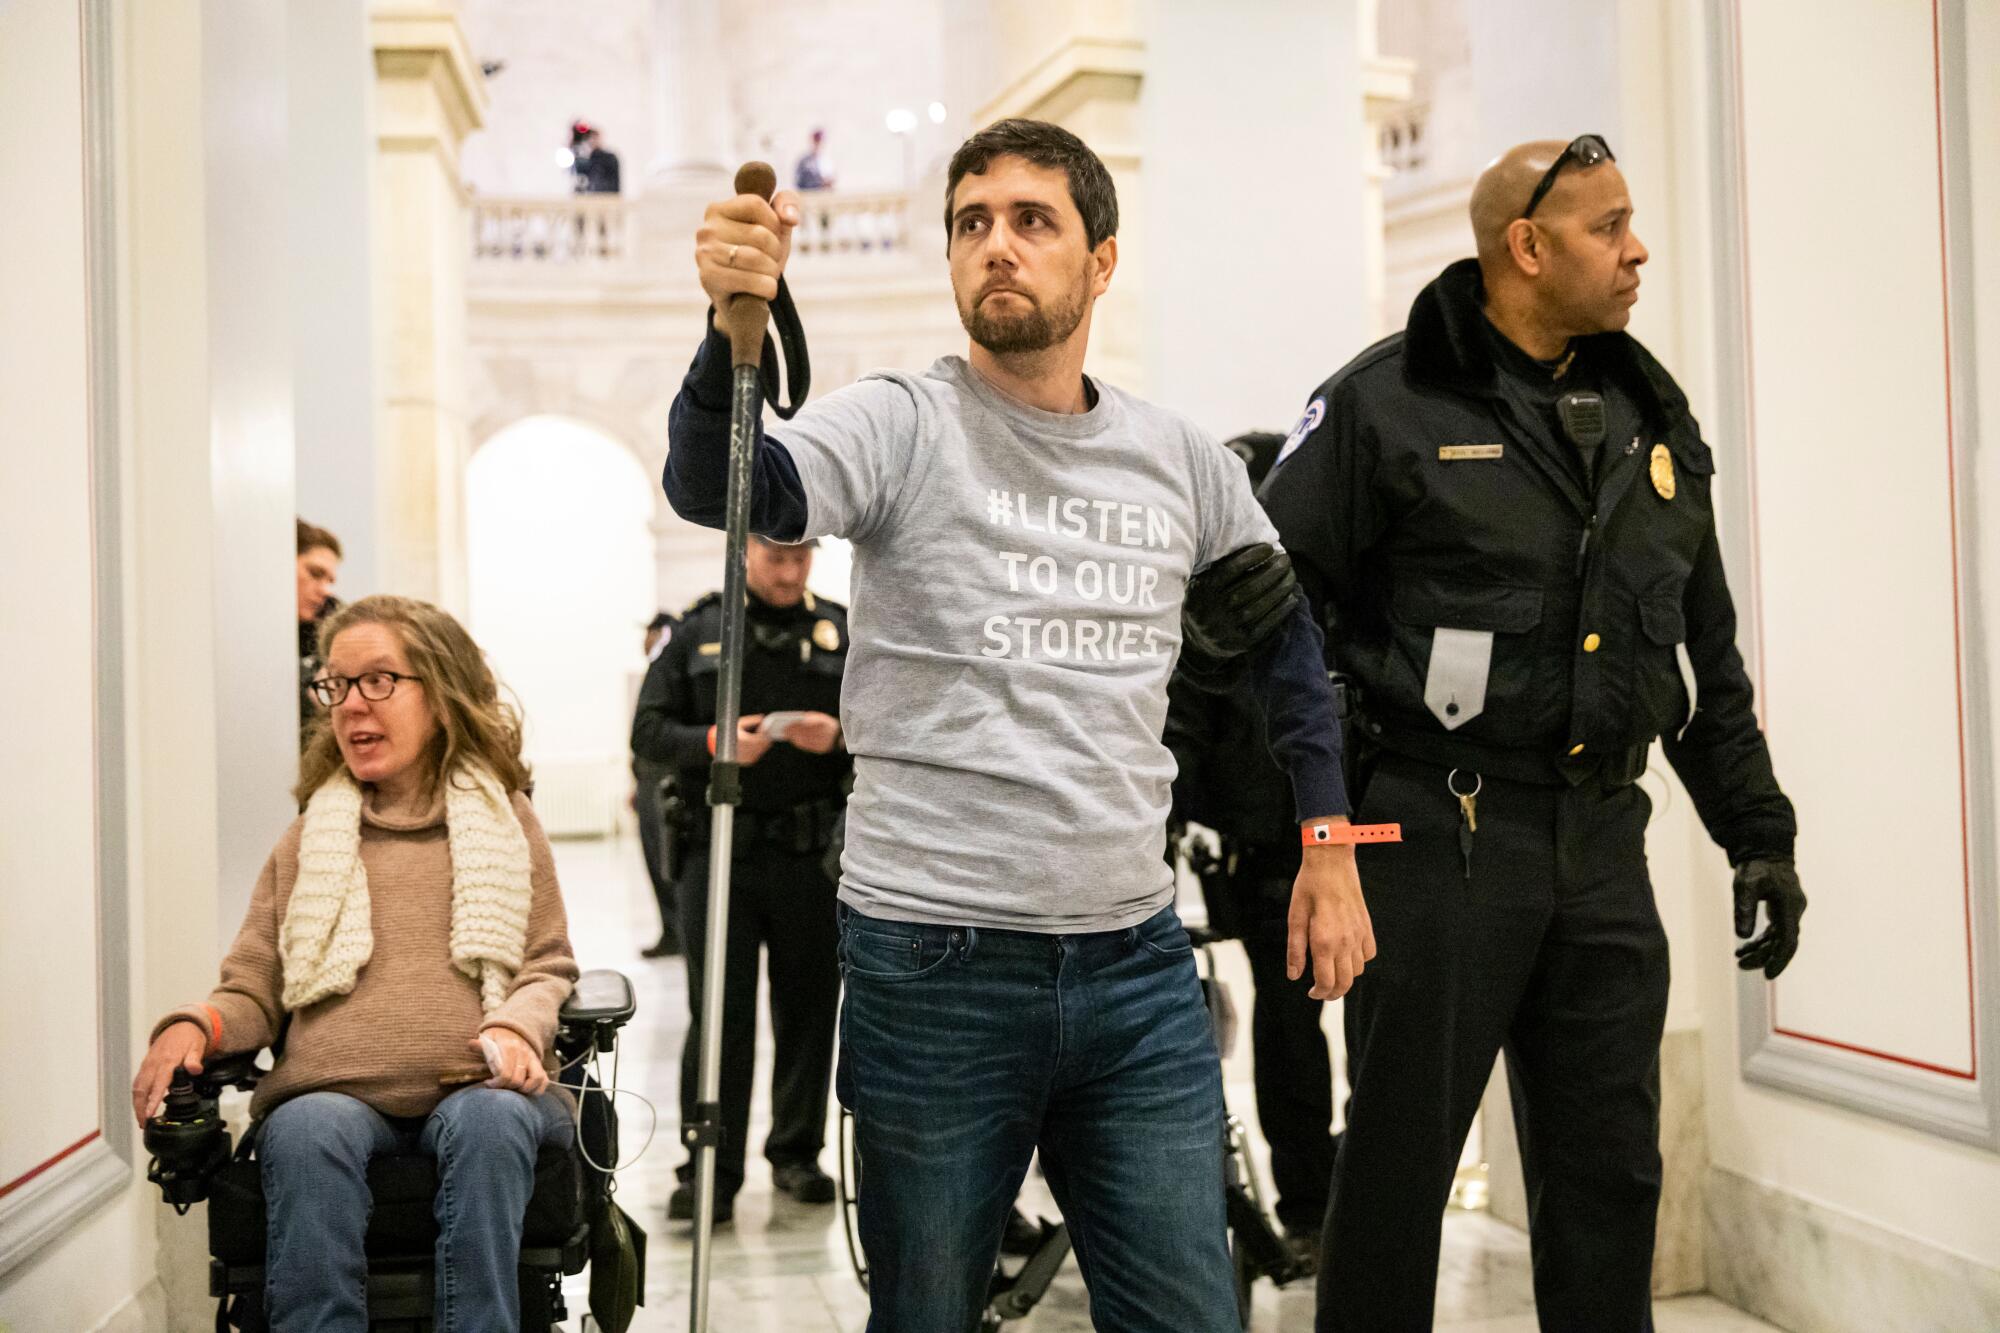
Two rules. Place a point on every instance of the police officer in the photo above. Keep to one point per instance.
(795, 773)
(1505, 512)
(1228, 782)
(659, 843)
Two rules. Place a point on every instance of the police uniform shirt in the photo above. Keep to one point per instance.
(793, 658)
(1496, 611)
(1534, 388)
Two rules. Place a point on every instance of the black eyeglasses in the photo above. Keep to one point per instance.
(375, 686)
(1586, 150)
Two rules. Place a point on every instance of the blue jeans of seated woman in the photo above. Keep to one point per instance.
(315, 1151)
(962, 1050)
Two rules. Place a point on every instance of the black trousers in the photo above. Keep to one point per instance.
(646, 808)
(780, 902)
(1292, 1070)
(1553, 952)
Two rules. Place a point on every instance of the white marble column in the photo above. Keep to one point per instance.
(332, 162)
(690, 98)
(429, 95)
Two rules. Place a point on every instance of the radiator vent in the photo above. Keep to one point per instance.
(579, 798)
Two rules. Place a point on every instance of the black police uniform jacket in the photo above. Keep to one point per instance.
(793, 658)
(1416, 499)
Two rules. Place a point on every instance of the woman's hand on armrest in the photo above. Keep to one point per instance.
(519, 1066)
(180, 1046)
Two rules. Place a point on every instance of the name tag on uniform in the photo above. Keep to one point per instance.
(1455, 453)
(710, 649)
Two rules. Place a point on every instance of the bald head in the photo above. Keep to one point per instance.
(1501, 193)
(1572, 269)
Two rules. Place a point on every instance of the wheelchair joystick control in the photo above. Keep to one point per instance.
(189, 1144)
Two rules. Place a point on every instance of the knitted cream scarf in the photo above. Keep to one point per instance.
(326, 937)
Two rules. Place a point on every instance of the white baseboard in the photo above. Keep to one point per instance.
(1811, 1269)
(144, 1311)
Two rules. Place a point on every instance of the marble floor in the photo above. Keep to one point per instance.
(782, 1267)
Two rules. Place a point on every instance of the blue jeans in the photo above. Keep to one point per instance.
(964, 1049)
(315, 1150)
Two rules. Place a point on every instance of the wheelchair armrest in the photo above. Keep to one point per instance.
(601, 1003)
(239, 1070)
(600, 997)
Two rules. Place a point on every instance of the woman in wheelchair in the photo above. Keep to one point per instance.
(406, 951)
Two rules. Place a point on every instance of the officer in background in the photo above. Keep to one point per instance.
(1504, 511)
(318, 569)
(795, 778)
(1228, 782)
(659, 843)
(593, 167)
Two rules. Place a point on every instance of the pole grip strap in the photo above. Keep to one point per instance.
(725, 783)
(798, 367)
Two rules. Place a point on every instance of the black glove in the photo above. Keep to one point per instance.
(1239, 601)
(1773, 881)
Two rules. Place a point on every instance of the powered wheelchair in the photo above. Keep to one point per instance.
(572, 1220)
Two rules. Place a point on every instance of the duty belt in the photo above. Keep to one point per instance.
(1613, 768)
(802, 829)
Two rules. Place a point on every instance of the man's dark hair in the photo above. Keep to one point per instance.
(1045, 145)
(312, 538)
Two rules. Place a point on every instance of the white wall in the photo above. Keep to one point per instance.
(797, 64)
(251, 331)
(331, 150)
(203, 386)
(564, 63)
(1847, 391)
(1254, 291)
(792, 65)
(48, 861)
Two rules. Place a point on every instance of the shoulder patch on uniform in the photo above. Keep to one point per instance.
(705, 600)
(1315, 413)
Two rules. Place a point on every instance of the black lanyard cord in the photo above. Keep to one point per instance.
(798, 369)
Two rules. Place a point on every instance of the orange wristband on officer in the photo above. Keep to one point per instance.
(1324, 833)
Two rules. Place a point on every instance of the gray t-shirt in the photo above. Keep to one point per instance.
(1018, 577)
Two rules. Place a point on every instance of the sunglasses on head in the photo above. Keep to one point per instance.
(1586, 150)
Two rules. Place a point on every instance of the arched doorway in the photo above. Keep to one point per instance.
(562, 581)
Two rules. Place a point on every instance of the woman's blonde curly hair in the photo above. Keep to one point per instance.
(474, 724)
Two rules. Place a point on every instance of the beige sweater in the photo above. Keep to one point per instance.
(406, 1024)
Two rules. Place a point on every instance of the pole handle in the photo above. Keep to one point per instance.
(745, 318)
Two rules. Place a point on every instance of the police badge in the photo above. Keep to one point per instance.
(827, 635)
(1663, 472)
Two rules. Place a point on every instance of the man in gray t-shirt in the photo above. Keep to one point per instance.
(1023, 537)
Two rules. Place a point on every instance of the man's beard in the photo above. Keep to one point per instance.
(1034, 330)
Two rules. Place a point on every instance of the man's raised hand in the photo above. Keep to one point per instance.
(742, 245)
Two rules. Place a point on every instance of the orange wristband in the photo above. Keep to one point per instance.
(1323, 834)
(214, 1028)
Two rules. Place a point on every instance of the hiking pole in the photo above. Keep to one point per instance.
(744, 320)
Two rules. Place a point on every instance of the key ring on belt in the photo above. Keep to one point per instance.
(1451, 785)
